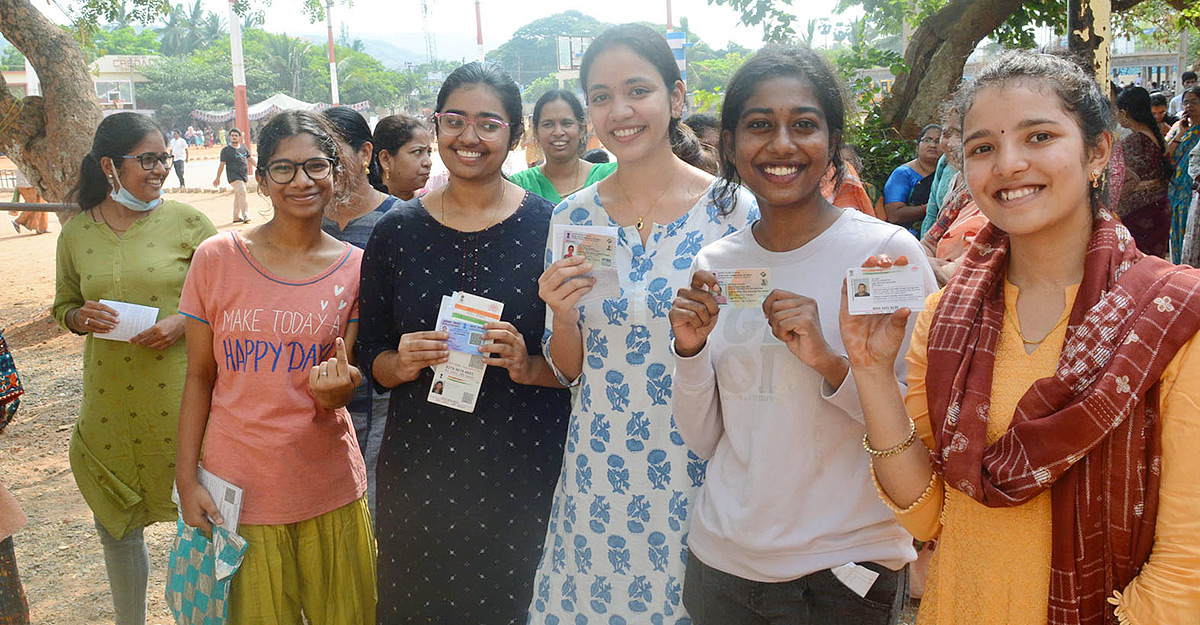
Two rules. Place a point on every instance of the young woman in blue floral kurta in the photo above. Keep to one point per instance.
(616, 542)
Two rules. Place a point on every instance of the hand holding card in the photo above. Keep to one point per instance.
(693, 313)
(883, 286)
(872, 340)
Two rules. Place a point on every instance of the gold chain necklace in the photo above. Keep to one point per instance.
(628, 199)
(1017, 326)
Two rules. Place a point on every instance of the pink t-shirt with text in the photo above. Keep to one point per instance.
(266, 432)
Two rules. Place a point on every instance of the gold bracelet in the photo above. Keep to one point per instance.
(898, 449)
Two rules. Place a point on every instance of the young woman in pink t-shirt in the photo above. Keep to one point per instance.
(271, 310)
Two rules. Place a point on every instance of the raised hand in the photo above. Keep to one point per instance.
(561, 286)
(794, 319)
(872, 342)
(333, 381)
(694, 313)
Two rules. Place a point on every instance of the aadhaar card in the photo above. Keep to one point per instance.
(599, 245)
(462, 316)
(741, 288)
(879, 291)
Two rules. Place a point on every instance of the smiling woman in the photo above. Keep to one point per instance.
(462, 497)
(559, 124)
(1054, 317)
(615, 545)
(274, 307)
(130, 246)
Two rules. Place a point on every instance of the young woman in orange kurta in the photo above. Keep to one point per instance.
(1054, 379)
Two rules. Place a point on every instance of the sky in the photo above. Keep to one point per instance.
(453, 21)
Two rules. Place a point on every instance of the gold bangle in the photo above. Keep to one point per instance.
(898, 449)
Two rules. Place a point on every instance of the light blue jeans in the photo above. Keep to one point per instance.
(128, 564)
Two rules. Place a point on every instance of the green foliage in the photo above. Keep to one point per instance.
(707, 101)
(1155, 24)
(200, 81)
(539, 87)
(12, 59)
(121, 40)
(879, 146)
(713, 74)
(775, 16)
(532, 54)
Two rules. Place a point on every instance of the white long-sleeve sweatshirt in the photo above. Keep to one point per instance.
(788, 490)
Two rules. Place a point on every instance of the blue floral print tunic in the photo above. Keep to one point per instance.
(615, 546)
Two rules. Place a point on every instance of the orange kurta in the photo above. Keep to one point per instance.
(992, 565)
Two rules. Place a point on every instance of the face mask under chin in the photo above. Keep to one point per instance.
(123, 197)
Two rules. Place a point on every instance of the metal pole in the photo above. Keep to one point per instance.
(479, 29)
(670, 22)
(241, 109)
(333, 79)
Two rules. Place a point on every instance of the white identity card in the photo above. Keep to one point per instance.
(226, 496)
(599, 245)
(456, 382)
(132, 320)
(879, 290)
(741, 288)
(856, 577)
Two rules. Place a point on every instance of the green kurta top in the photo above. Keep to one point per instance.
(123, 447)
(534, 181)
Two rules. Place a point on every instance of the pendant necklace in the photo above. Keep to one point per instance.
(641, 218)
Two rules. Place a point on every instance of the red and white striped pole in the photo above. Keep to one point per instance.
(670, 23)
(479, 30)
(333, 81)
(241, 108)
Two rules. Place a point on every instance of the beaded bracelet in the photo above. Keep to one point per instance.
(898, 449)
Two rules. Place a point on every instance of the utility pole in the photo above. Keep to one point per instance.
(241, 109)
(1090, 33)
(479, 30)
(670, 23)
(333, 81)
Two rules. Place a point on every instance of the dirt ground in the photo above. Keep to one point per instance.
(58, 553)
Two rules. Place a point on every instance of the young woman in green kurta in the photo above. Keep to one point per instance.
(559, 127)
(127, 245)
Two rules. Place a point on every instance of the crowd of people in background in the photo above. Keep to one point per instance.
(1018, 449)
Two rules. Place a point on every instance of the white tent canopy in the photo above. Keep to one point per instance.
(270, 106)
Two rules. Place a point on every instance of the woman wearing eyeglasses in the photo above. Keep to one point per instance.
(128, 246)
(462, 496)
(271, 312)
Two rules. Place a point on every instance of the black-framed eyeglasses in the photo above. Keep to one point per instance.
(149, 159)
(284, 171)
(453, 124)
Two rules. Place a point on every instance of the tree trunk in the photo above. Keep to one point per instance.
(47, 135)
(935, 58)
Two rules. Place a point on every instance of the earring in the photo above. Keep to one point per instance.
(367, 169)
(385, 171)
(1096, 179)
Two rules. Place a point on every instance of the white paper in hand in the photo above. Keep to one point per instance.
(132, 320)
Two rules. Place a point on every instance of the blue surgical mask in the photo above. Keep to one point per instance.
(123, 197)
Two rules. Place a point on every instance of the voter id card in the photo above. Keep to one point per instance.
(884, 290)
(741, 288)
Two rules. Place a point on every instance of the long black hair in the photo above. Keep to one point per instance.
(496, 79)
(646, 43)
(116, 135)
(354, 130)
(1135, 102)
(771, 62)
